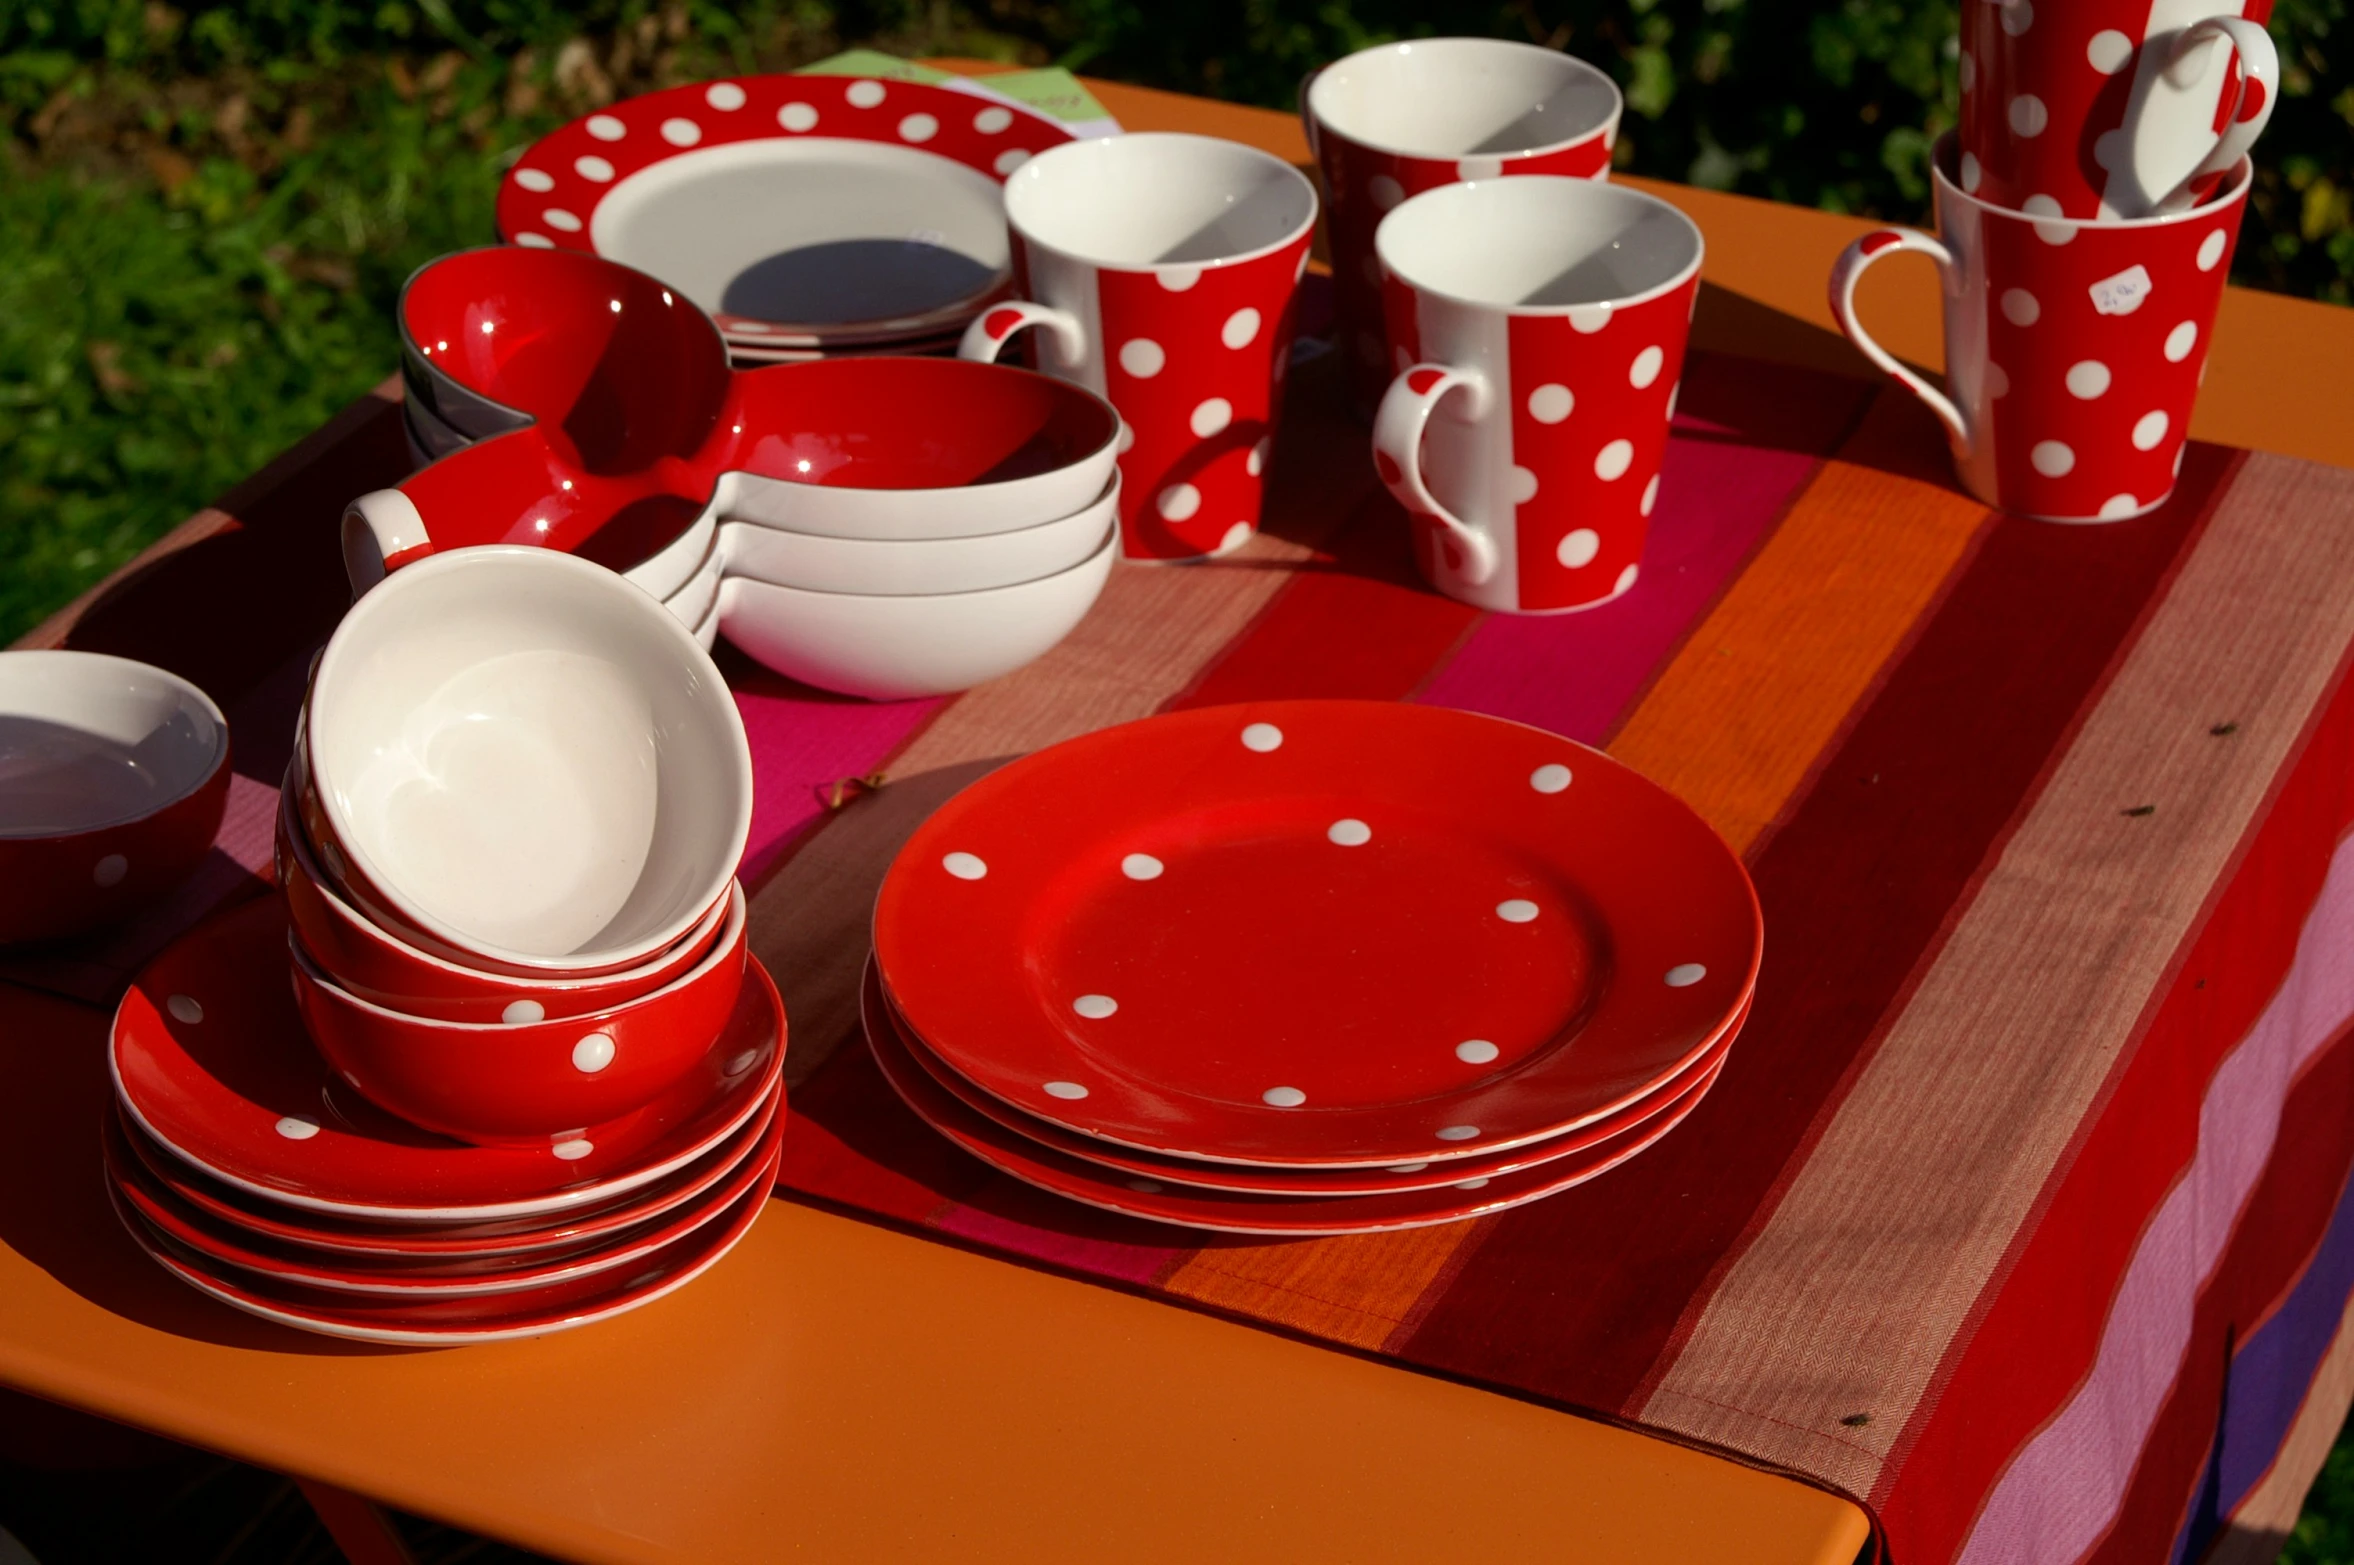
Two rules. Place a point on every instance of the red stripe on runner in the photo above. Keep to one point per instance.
(1856, 887)
(2037, 1338)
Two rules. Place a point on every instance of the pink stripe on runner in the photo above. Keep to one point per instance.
(803, 743)
(1098, 1257)
(1743, 449)
(2065, 1486)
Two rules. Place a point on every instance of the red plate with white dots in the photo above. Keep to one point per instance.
(1186, 1173)
(1314, 933)
(512, 1237)
(244, 1252)
(535, 1312)
(210, 1060)
(796, 210)
(1093, 1184)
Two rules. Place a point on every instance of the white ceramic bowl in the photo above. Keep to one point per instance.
(529, 760)
(693, 602)
(892, 648)
(918, 567)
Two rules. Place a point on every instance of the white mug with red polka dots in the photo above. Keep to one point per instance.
(2110, 108)
(1396, 120)
(1162, 271)
(1539, 327)
(2073, 348)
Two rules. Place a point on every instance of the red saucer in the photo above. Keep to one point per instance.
(210, 1060)
(875, 1010)
(506, 1236)
(1318, 933)
(571, 1229)
(244, 1253)
(446, 1322)
(1093, 1185)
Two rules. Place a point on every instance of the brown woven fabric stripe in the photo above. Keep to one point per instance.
(1989, 1066)
(1150, 635)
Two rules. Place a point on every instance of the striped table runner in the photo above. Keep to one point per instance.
(2018, 1213)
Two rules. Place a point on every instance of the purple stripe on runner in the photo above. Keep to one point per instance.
(1056, 1246)
(1747, 440)
(2271, 1375)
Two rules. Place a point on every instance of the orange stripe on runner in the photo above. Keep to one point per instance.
(1734, 725)
(1737, 721)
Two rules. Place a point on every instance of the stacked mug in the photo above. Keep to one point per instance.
(1514, 323)
(2086, 212)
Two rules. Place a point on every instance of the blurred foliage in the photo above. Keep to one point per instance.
(206, 210)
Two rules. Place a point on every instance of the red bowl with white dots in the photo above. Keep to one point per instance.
(522, 1083)
(113, 778)
(371, 963)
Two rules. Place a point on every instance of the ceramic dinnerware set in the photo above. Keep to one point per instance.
(2086, 213)
(1310, 967)
(496, 1060)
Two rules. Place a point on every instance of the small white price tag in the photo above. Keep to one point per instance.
(2124, 293)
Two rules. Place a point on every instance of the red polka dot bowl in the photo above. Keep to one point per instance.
(113, 778)
(372, 964)
(521, 763)
(521, 1083)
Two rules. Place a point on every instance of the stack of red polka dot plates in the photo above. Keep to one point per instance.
(248, 1170)
(1311, 967)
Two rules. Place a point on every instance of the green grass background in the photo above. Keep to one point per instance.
(205, 211)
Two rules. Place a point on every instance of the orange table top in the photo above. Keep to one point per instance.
(839, 1391)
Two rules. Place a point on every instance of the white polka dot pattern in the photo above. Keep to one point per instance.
(964, 866)
(1578, 547)
(726, 97)
(539, 181)
(1685, 974)
(1283, 1097)
(185, 1009)
(592, 1053)
(296, 1127)
(1095, 1007)
(865, 94)
(1349, 833)
(1476, 1051)
(109, 871)
(1517, 910)
(519, 1012)
(1068, 1091)
(1551, 403)
(681, 132)
(1262, 737)
(1552, 777)
(798, 117)
(918, 128)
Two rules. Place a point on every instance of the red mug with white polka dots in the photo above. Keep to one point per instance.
(1540, 325)
(1393, 121)
(2073, 348)
(2110, 108)
(1162, 270)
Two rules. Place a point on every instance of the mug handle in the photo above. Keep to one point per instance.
(1397, 452)
(1848, 270)
(2259, 73)
(382, 531)
(994, 327)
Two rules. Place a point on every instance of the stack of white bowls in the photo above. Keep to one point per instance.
(950, 527)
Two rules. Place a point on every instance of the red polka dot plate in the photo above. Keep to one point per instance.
(244, 1253)
(876, 1010)
(1226, 1212)
(572, 1229)
(210, 1061)
(1317, 933)
(796, 210)
(479, 1318)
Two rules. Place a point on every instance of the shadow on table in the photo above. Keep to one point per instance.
(53, 1205)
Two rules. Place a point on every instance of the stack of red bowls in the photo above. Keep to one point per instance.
(525, 1072)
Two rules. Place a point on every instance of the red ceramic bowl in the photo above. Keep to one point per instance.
(516, 761)
(113, 777)
(525, 1083)
(371, 963)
